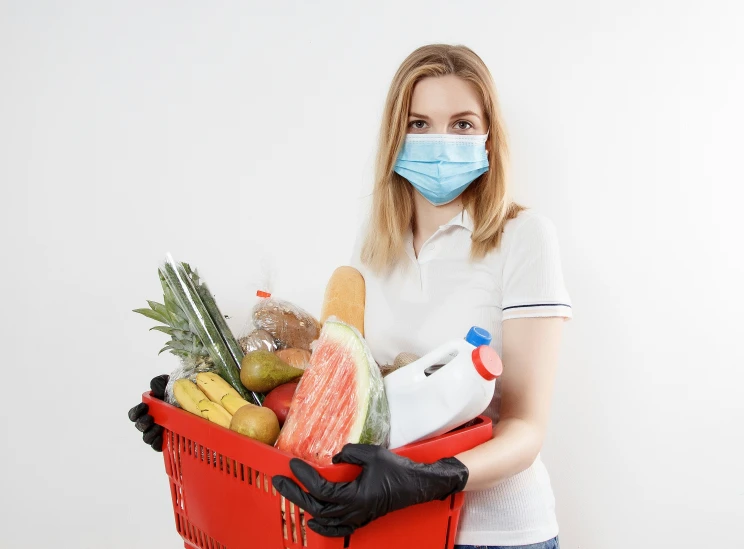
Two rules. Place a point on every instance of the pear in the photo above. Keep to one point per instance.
(261, 371)
(257, 423)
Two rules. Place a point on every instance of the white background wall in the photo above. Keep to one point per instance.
(243, 133)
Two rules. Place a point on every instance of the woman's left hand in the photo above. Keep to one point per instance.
(388, 482)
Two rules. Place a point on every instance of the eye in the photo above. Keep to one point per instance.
(463, 125)
(417, 125)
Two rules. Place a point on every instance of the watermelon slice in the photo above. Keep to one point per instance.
(340, 398)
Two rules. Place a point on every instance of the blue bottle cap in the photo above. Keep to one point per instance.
(478, 336)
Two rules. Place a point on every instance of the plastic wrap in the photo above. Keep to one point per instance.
(291, 326)
(299, 358)
(340, 398)
(225, 356)
(257, 340)
(403, 359)
(188, 368)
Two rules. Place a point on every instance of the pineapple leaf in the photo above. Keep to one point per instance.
(164, 329)
(154, 315)
(175, 313)
(158, 308)
(193, 274)
(177, 352)
(178, 345)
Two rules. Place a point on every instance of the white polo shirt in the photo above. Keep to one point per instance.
(436, 298)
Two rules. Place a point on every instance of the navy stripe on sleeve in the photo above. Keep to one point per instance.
(537, 305)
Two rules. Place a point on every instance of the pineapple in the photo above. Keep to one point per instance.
(184, 343)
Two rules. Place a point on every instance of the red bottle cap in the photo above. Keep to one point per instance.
(487, 362)
(261, 293)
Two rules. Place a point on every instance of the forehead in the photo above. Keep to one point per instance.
(445, 95)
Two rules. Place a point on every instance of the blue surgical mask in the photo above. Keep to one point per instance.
(441, 166)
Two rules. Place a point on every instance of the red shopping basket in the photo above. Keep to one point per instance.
(223, 498)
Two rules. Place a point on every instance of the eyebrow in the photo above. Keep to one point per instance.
(458, 115)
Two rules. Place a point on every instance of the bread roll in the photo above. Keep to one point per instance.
(291, 326)
(299, 358)
(345, 298)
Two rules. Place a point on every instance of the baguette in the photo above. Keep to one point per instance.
(345, 298)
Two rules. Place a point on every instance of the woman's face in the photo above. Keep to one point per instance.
(446, 104)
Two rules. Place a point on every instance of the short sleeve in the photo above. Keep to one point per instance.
(533, 278)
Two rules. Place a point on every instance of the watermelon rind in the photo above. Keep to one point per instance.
(373, 415)
(315, 429)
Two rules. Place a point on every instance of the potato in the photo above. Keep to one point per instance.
(299, 358)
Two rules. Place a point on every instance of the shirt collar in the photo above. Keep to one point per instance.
(463, 220)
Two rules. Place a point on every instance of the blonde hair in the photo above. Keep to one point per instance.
(486, 199)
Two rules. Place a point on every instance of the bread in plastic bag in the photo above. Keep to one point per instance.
(340, 398)
(291, 326)
(257, 340)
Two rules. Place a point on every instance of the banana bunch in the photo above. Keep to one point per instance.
(211, 397)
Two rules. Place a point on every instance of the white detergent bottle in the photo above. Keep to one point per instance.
(445, 388)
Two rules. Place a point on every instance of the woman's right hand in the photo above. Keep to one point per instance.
(152, 433)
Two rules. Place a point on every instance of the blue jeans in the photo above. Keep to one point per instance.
(550, 544)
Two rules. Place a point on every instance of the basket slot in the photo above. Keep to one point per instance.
(293, 521)
(449, 526)
(296, 528)
(303, 528)
(292, 527)
(283, 512)
(176, 453)
(195, 536)
(173, 449)
(175, 494)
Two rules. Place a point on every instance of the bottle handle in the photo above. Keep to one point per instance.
(434, 357)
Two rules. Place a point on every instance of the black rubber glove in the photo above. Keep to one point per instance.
(152, 433)
(388, 482)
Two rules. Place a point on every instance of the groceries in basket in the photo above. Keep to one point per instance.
(215, 400)
(262, 371)
(299, 358)
(442, 390)
(345, 298)
(279, 400)
(291, 326)
(198, 331)
(257, 340)
(340, 398)
(318, 382)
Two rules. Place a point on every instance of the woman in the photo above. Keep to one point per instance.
(445, 249)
